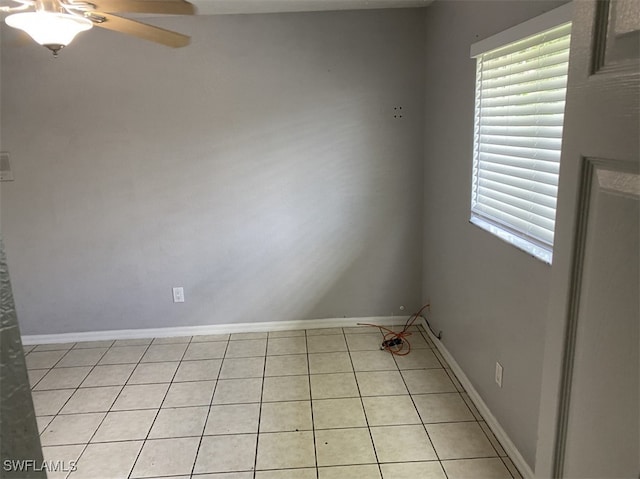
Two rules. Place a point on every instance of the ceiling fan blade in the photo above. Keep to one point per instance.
(168, 7)
(140, 30)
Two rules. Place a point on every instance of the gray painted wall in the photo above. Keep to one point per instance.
(488, 298)
(261, 168)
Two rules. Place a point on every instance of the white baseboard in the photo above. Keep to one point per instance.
(508, 445)
(208, 329)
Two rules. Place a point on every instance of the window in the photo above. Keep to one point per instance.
(519, 113)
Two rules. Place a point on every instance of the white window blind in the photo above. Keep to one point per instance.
(520, 99)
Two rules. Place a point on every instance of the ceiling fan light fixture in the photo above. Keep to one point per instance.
(50, 29)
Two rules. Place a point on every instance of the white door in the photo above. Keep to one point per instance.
(590, 404)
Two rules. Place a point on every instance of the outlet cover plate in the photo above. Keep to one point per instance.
(499, 374)
(178, 295)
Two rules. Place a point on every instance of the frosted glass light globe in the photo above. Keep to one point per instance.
(52, 30)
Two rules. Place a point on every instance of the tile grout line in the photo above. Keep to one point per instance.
(494, 447)
(267, 432)
(114, 401)
(144, 441)
(72, 394)
(366, 418)
(264, 369)
(248, 377)
(446, 368)
(508, 468)
(69, 398)
(505, 465)
(313, 425)
(213, 394)
(57, 362)
(424, 426)
(450, 373)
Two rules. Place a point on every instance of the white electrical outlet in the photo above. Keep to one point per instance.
(499, 374)
(178, 295)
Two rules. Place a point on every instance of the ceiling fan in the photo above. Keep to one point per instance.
(55, 23)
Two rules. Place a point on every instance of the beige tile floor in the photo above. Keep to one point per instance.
(321, 404)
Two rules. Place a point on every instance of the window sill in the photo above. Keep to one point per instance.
(543, 254)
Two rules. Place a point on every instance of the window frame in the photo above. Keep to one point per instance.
(538, 25)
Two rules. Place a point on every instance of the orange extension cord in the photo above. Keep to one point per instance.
(398, 349)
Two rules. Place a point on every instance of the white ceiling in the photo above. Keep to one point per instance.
(208, 7)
